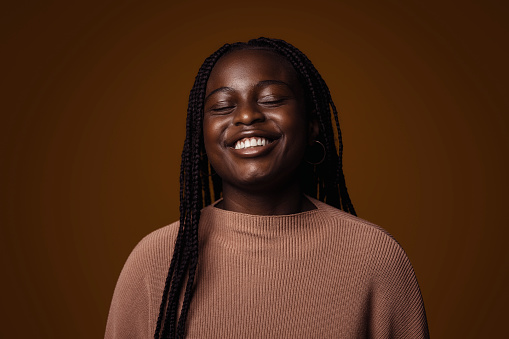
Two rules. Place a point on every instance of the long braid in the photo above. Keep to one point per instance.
(326, 182)
(186, 217)
(196, 205)
(185, 254)
(346, 203)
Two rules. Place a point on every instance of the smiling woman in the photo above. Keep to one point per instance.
(280, 253)
(255, 96)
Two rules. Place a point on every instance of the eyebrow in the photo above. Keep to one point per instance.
(220, 89)
(262, 83)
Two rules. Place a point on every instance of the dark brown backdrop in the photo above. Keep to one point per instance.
(93, 108)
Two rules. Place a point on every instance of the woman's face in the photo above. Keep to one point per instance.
(255, 124)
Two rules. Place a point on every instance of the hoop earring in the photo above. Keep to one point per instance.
(309, 152)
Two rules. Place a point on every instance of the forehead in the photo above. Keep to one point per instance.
(251, 65)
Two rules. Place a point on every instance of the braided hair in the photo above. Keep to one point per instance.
(325, 181)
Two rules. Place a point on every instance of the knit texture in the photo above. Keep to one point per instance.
(317, 274)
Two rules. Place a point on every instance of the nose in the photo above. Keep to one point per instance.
(248, 114)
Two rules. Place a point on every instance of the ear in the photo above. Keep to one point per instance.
(313, 127)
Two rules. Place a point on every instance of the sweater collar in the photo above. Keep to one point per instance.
(238, 224)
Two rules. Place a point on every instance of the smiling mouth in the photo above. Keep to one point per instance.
(251, 142)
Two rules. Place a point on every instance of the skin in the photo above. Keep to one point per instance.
(256, 93)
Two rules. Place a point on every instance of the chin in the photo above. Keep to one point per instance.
(254, 182)
(262, 183)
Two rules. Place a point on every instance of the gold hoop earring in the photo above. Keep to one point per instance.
(313, 155)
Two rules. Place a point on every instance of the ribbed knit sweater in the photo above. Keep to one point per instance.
(316, 274)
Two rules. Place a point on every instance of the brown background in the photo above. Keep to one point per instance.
(93, 108)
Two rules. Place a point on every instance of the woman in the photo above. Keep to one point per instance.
(274, 256)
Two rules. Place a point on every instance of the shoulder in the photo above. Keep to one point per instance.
(364, 239)
(358, 228)
(396, 306)
(154, 249)
(159, 238)
(137, 293)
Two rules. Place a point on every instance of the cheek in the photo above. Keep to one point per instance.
(296, 127)
(298, 141)
(212, 136)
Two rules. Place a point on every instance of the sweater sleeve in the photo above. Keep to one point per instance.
(129, 310)
(397, 308)
(137, 296)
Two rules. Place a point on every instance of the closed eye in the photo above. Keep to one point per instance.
(272, 102)
(222, 109)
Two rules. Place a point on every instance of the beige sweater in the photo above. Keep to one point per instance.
(317, 274)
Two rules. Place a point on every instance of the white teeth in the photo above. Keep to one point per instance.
(250, 142)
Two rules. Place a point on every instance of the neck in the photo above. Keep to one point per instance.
(286, 200)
